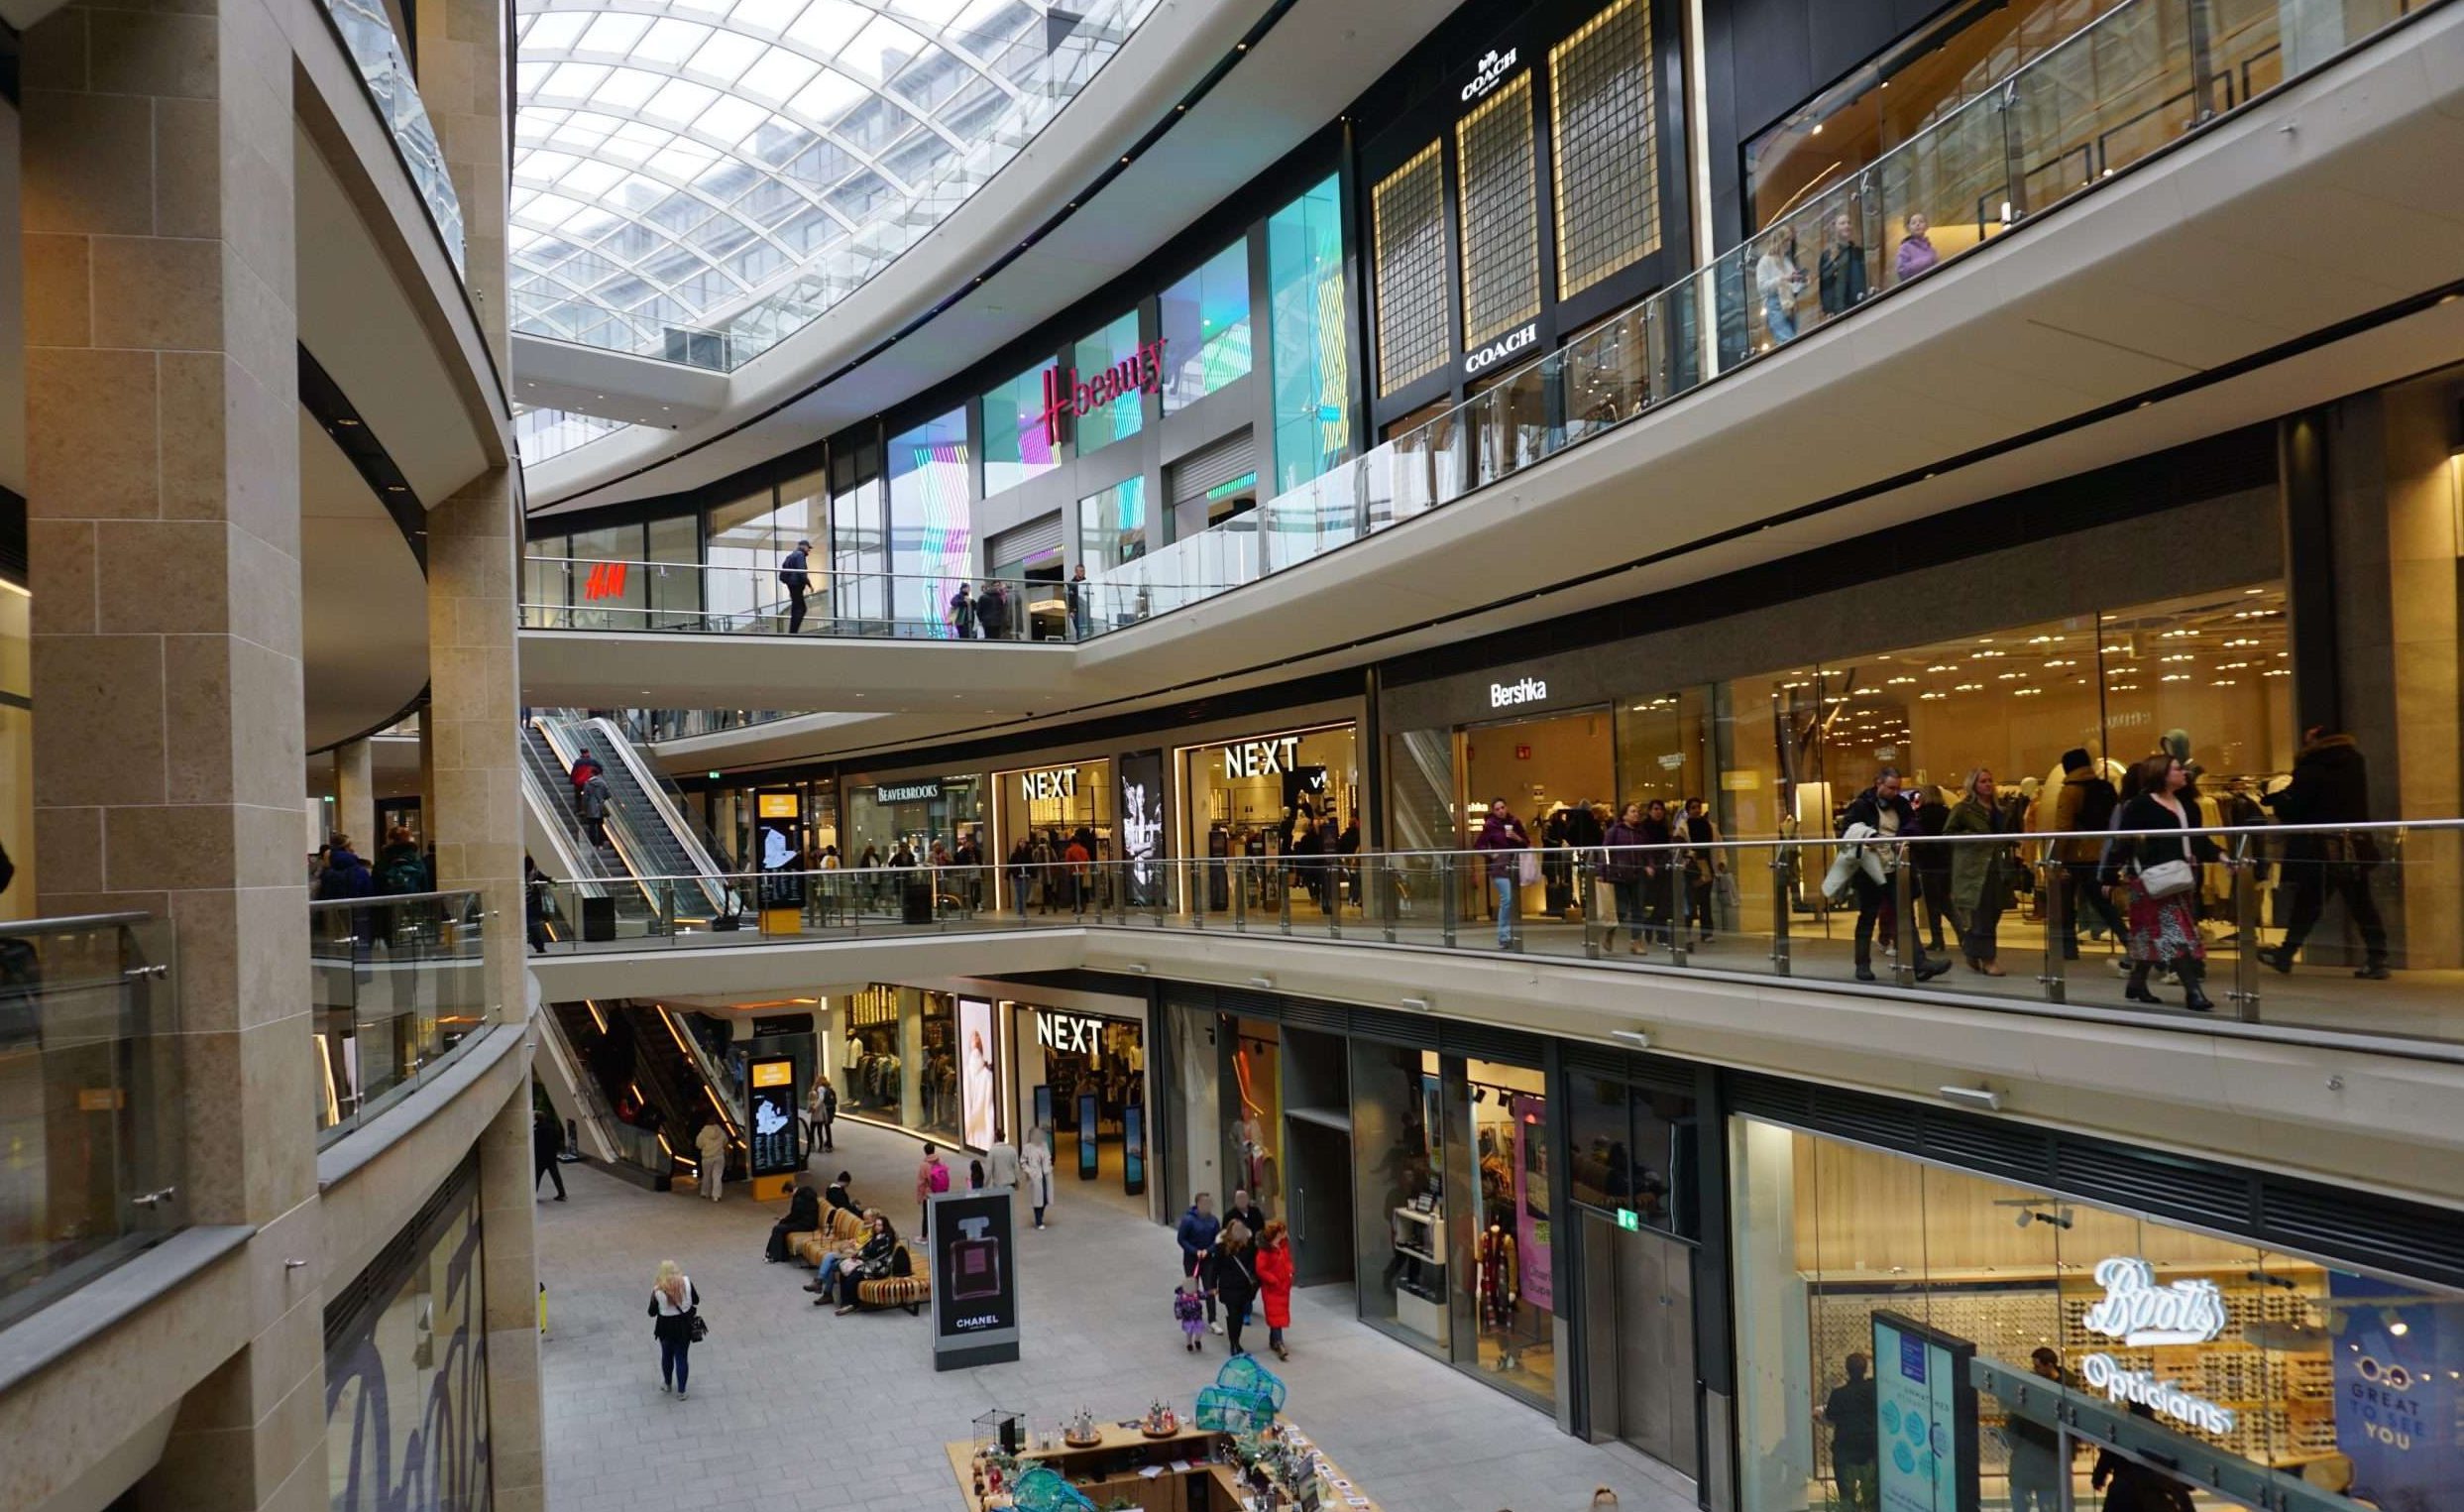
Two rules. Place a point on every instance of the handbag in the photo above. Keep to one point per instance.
(695, 1328)
(2169, 879)
(1527, 868)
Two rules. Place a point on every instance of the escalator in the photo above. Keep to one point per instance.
(554, 834)
(652, 848)
(659, 1086)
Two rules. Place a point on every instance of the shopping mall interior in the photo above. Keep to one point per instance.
(1066, 713)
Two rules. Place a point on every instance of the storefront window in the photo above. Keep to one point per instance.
(1046, 808)
(1313, 346)
(747, 537)
(859, 556)
(917, 812)
(937, 1061)
(1400, 1265)
(1117, 419)
(930, 545)
(1018, 445)
(874, 1065)
(675, 591)
(612, 599)
(1632, 1149)
(1252, 1136)
(2270, 1374)
(1112, 527)
(1503, 1276)
(1206, 325)
(1083, 1077)
(1275, 794)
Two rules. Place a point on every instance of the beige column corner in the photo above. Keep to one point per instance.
(355, 797)
(508, 1247)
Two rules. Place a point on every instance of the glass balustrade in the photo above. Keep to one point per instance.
(90, 1098)
(1992, 919)
(399, 985)
(2130, 82)
(366, 32)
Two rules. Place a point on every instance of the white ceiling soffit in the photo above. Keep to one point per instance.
(359, 325)
(363, 600)
(1310, 66)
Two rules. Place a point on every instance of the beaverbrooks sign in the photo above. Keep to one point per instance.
(2138, 1311)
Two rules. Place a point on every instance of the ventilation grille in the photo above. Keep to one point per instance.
(1605, 140)
(1326, 1016)
(1395, 1028)
(1500, 214)
(1408, 212)
(348, 1309)
(2005, 1149)
(1484, 1043)
(2423, 1243)
(2157, 1185)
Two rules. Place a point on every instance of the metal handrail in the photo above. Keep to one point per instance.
(66, 923)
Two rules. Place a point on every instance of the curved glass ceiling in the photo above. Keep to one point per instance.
(694, 179)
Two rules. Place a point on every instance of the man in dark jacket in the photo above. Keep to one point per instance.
(2084, 801)
(545, 1140)
(596, 796)
(1883, 809)
(346, 875)
(1199, 1229)
(2331, 786)
(797, 582)
(992, 610)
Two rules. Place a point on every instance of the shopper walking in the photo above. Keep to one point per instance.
(1621, 867)
(536, 891)
(797, 581)
(2331, 786)
(400, 868)
(676, 1320)
(1930, 861)
(992, 610)
(1200, 1228)
(546, 1140)
(1981, 873)
(821, 1107)
(1704, 865)
(1883, 811)
(1035, 1171)
(1274, 1278)
(932, 1177)
(1189, 1311)
(596, 796)
(962, 612)
(1855, 1460)
(585, 768)
(2036, 1468)
(1079, 592)
(1244, 1210)
(1781, 279)
(346, 875)
(1916, 249)
(1236, 1281)
(2085, 803)
(1842, 269)
(2161, 871)
(711, 1146)
(1509, 847)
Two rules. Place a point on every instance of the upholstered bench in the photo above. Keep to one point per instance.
(910, 1291)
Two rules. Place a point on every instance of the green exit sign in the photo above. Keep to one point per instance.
(714, 776)
(1627, 1219)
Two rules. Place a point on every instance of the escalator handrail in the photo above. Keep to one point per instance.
(688, 836)
(568, 857)
(627, 842)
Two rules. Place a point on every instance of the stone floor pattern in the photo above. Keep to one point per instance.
(793, 1408)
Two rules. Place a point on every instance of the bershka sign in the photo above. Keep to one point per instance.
(1500, 349)
(1505, 695)
(1049, 785)
(907, 792)
(1261, 759)
(1067, 1033)
(2139, 1313)
(2121, 1383)
(1141, 372)
(1493, 66)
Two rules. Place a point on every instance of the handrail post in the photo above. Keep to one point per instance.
(1903, 921)
(1677, 908)
(1386, 885)
(2052, 882)
(1513, 905)
(1330, 894)
(1193, 888)
(1236, 867)
(2245, 934)
(1283, 892)
(1585, 895)
(1782, 858)
(1449, 906)
(2015, 157)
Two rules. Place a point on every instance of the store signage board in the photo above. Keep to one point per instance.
(1492, 69)
(774, 1112)
(1482, 358)
(1261, 759)
(1067, 1033)
(907, 792)
(974, 1280)
(1507, 695)
(1141, 372)
(1049, 785)
(1925, 1417)
(2140, 1313)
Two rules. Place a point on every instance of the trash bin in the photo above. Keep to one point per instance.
(599, 918)
(915, 901)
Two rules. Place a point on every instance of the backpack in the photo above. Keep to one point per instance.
(2097, 801)
(404, 874)
(941, 1178)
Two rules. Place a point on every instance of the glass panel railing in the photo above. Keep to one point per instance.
(90, 1101)
(600, 594)
(399, 986)
(367, 34)
(2136, 80)
(1991, 918)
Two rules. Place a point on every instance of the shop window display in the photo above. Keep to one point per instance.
(875, 1074)
(1292, 793)
(2262, 1373)
(1632, 1150)
(1204, 320)
(1401, 1213)
(1253, 1134)
(939, 1109)
(1504, 1275)
(1046, 808)
(1089, 1058)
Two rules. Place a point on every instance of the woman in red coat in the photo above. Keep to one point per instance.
(1274, 1284)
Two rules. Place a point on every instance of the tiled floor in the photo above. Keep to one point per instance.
(794, 1408)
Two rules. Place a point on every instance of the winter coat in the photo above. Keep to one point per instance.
(2145, 813)
(1840, 275)
(1981, 874)
(2074, 808)
(1869, 808)
(595, 796)
(1275, 1276)
(1035, 1169)
(1505, 834)
(1236, 1276)
(1627, 865)
(2331, 786)
(346, 876)
(401, 870)
(1001, 1164)
(1197, 1234)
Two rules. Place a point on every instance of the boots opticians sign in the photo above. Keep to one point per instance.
(2139, 1313)
(1500, 349)
(1141, 372)
(1261, 759)
(1051, 783)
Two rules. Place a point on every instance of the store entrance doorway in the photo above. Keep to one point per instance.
(1641, 1352)
(1320, 1173)
(1550, 772)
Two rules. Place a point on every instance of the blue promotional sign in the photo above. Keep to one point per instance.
(1924, 1412)
(1134, 1149)
(2397, 1367)
(1088, 1149)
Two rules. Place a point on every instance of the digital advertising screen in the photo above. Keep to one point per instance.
(974, 1280)
(1088, 1153)
(979, 1091)
(778, 845)
(1134, 1149)
(771, 1103)
(1925, 1417)
(1142, 825)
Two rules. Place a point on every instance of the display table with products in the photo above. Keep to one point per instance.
(1191, 1469)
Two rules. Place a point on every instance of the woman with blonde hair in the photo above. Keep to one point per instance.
(1981, 873)
(676, 1320)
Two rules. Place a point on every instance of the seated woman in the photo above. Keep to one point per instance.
(804, 1216)
(837, 1255)
(881, 1257)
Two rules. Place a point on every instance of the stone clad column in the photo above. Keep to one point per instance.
(354, 798)
(162, 501)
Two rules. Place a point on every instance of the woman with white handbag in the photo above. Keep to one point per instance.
(2159, 871)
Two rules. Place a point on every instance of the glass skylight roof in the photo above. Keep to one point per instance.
(695, 179)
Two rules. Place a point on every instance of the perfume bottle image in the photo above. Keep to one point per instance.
(975, 1261)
